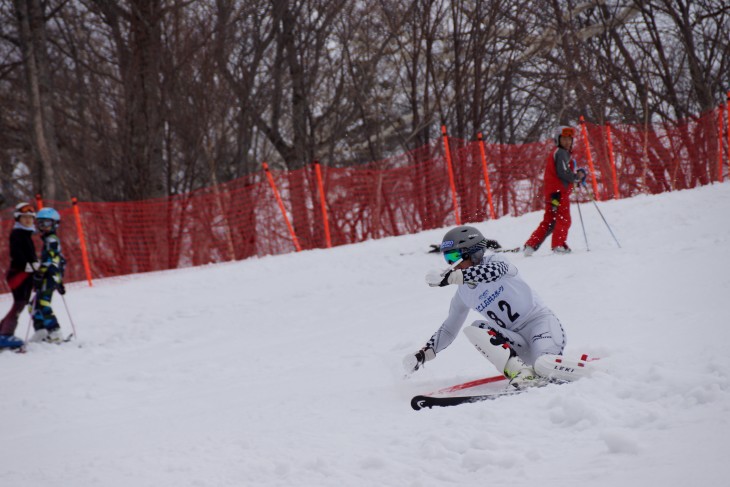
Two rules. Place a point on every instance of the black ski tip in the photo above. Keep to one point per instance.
(420, 402)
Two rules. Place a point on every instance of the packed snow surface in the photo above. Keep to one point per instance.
(286, 370)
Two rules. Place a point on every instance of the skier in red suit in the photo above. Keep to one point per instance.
(560, 176)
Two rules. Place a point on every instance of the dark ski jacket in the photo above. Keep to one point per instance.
(22, 255)
(52, 261)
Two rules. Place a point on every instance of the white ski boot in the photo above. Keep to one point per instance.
(55, 336)
(39, 336)
(520, 375)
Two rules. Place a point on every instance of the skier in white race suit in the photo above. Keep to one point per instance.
(517, 329)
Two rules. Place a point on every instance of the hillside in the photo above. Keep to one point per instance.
(286, 370)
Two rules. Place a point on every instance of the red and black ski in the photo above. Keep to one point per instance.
(441, 398)
(421, 402)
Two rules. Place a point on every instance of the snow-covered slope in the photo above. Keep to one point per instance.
(287, 370)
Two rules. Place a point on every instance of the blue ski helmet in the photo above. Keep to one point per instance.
(47, 219)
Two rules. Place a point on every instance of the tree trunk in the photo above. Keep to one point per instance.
(142, 93)
(31, 26)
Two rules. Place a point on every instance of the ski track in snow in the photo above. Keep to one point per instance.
(286, 370)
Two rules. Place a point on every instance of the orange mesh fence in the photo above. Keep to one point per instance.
(400, 195)
(663, 158)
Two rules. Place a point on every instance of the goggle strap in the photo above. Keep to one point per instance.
(452, 267)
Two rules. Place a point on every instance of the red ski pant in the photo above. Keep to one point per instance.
(21, 296)
(556, 221)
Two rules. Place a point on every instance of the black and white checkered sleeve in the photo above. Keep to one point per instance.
(485, 272)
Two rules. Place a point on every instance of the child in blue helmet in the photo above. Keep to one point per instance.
(48, 278)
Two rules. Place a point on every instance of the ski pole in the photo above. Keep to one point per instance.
(30, 315)
(27, 332)
(73, 328)
(593, 199)
(580, 214)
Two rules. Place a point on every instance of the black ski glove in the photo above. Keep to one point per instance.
(555, 201)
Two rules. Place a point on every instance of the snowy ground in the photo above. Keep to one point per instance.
(286, 370)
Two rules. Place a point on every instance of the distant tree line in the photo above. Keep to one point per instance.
(114, 100)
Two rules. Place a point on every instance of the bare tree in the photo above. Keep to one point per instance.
(32, 39)
(172, 95)
(136, 34)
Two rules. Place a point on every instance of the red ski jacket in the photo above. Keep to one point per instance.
(559, 173)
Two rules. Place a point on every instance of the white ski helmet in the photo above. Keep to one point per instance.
(23, 209)
(564, 131)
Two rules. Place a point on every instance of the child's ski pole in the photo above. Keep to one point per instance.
(31, 306)
(585, 236)
(73, 328)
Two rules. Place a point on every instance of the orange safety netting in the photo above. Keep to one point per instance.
(403, 194)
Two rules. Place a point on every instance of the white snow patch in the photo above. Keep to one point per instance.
(285, 370)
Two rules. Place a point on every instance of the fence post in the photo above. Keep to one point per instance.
(612, 160)
(486, 175)
(590, 157)
(323, 204)
(450, 166)
(281, 207)
(39, 201)
(720, 120)
(727, 106)
(82, 240)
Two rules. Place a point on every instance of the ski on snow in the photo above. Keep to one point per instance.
(442, 397)
(13, 350)
(421, 402)
(495, 247)
(23, 348)
(436, 400)
(561, 370)
(467, 385)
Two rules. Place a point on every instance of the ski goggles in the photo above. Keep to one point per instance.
(44, 223)
(25, 211)
(453, 256)
(567, 132)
